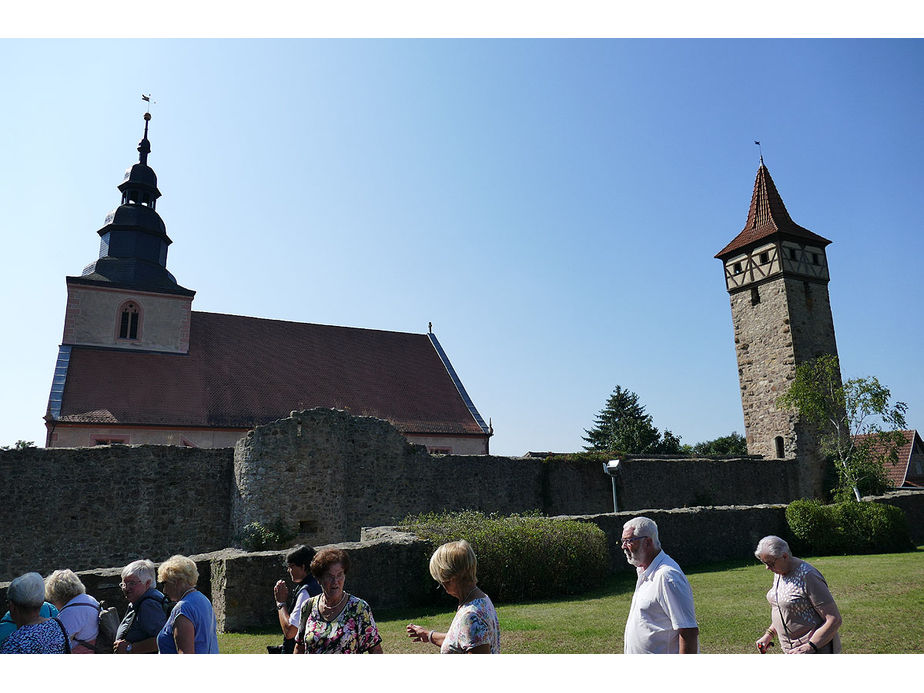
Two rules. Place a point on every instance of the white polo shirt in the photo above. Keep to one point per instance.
(661, 605)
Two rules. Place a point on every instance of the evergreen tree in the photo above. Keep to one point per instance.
(623, 426)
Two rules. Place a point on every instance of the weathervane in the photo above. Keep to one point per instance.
(147, 97)
(757, 142)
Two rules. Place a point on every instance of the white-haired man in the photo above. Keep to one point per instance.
(661, 619)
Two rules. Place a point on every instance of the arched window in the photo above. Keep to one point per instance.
(129, 318)
(778, 443)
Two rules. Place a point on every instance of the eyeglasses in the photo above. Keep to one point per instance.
(631, 540)
(133, 583)
(770, 563)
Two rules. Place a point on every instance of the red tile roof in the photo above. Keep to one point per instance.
(898, 472)
(767, 216)
(243, 371)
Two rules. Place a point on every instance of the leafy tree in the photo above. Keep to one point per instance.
(622, 425)
(733, 444)
(841, 413)
(20, 445)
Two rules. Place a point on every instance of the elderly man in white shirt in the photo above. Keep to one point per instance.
(661, 618)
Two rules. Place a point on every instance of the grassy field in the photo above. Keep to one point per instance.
(881, 599)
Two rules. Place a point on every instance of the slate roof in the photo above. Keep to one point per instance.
(898, 473)
(767, 216)
(242, 371)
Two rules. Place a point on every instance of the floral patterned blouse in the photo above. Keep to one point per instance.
(474, 624)
(352, 632)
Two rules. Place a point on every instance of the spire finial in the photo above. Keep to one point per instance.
(760, 149)
(144, 147)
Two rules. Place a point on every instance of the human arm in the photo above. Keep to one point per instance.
(281, 594)
(689, 640)
(146, 646)
(825, 633)
(421, 634)
(184, 635)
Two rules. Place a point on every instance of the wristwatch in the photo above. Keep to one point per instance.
(279, 605)
(128, 648)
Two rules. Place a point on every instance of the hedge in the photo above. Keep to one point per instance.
(847, 528)
(522, 557)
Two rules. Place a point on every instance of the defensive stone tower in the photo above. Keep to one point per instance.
(776, 273)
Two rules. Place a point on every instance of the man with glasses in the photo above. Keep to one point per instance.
(147, 610)
(661, 618)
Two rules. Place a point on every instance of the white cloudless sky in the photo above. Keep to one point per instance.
(552, 206)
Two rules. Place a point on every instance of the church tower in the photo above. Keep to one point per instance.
(776, 273)
(127, 299)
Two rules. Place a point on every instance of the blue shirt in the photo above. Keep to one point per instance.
(198, 609)
(144, 619)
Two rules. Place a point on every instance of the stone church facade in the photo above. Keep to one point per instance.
(776, 273)
(137, 365)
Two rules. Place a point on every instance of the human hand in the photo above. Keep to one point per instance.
(802, 649)
(764, 643)
(417, 633)
(281, 591)
(118, 647)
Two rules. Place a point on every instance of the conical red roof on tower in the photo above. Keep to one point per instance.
(767, 216)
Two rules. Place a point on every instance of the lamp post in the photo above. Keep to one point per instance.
(611, 469)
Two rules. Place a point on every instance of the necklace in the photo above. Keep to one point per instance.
(466, 597)
(328, 608)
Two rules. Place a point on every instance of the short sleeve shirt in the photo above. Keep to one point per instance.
(474, 624)
(144, 619)
(198, 609)
(309, 589)
(793, 601)
(661, 606)
(46, 637)
(80, 617)
(352, 632)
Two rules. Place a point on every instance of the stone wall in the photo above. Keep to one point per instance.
(88, 507)
(390, 568)
(326, 474)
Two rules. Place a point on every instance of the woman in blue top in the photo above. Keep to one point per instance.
(191, 627)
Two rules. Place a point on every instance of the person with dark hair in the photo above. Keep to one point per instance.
(336, 622)
(803, 614)
(289, 606)
(34, 634)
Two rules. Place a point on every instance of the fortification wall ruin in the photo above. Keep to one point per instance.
(326, 474)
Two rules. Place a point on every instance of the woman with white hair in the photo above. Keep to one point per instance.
(137, 633)
(191, 627)
(803, 614)
(34, 634)
(77, 610)
(474, 628)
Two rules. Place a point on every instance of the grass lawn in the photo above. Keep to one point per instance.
(881, 599)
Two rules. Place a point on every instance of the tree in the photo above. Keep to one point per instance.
(622, 425)
(733, 444)
(20, 445)
(858, 427)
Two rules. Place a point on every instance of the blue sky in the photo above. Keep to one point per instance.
(552, 206)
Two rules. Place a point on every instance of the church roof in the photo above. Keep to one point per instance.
(767, 216)
(242, 371)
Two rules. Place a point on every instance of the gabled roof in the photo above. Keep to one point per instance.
(767, 216)
(243, 371)
(898, 473)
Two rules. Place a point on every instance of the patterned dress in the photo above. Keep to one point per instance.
(474, 624)
(793, 601)
(46, 637)
(352, 632)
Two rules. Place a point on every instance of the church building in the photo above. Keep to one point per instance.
(137, 365)
(776, 273)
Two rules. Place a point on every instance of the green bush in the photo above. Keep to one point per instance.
(259, 537)
(522, 557)
(847, 528)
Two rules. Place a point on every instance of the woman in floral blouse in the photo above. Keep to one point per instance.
(474, 628)
(335, 622)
